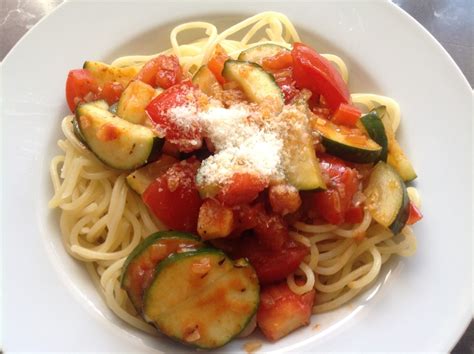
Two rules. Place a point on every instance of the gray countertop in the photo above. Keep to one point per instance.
(451, 22)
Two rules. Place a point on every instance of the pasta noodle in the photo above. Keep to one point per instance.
(102, 220)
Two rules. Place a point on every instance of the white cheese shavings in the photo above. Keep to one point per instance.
(184, 117)
(244, 142)
(226, 127)
(258, 154)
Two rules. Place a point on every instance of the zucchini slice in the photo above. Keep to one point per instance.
(300, 164)
(104, 73)
(379, 128)
(140, 265)
(202, 298)
(140, 179)
(134, 100)
(257, 84)
(373, 125)
(346, 144)
(206, 81)
(257, 53)
(116, 142)
(387, 197)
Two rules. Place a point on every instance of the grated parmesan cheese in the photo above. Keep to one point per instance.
(244, 141)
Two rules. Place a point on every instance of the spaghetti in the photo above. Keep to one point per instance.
(102, 220)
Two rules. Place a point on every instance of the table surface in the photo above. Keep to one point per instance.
(451, 22)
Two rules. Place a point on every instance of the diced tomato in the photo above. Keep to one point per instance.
(271, 266)
(314, 72)
(216, 63)
(347, 115)
(186, 133)
(170, 149)
(278, 61)
(319, 111)
(354, 215)
(342, 183)
(242, 188)
(111, 92)
(281, 311)
(163, 71)
(284, 79)
(81, 86)
(247, 216)
(414, 215)
(173, 197)
(271, 231)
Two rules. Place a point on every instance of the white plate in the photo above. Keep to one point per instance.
(422, 303)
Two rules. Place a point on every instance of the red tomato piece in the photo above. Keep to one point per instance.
(163, 71)
(278, 61)
(315, 73)
(247, 217)
(354, 215)
(281, 311)
(342, 183)
(414, 215)
(284, 79)
(81, 86)
(271, 231)
(183, 132)
(173, 197)
(111, 92)
(347, 115)
(242, 188)
(216, 63)
(271, 266)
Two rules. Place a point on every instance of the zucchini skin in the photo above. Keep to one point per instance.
(257, 84)
(151, 239)
(402, 217)
(349, 153)
(218, 282)
(135, 146)
(387, 197)
(257, 53)
(373, 124)
(136, 297)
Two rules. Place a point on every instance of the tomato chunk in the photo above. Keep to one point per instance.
(271, 266)
(216, 63)
(163, 71)
(111, 92)
(183, 131)
(354, 215)
(315, 73)
(414, 215)
(81, 86)
(282, 311)
(285, 81)
(173, 197)
(342, 182)
(278, 61)
(242, 188)
(346, 114)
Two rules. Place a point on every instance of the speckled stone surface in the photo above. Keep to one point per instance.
(451, 22)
